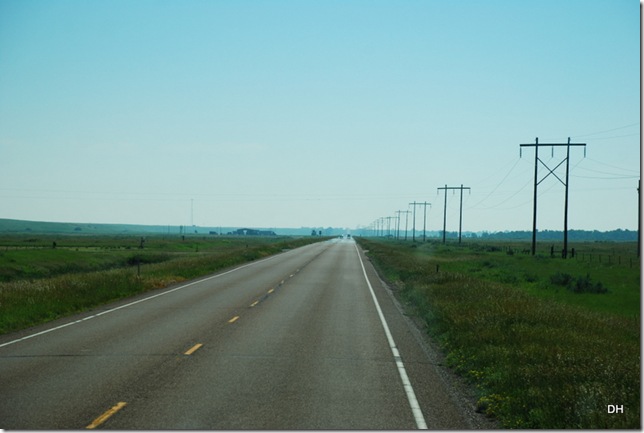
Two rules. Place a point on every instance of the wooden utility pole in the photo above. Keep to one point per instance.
(406, 212)
(398, 223)
(389, 225)
(424, 219)
(460, 223)
(536, 146)
(413, 230)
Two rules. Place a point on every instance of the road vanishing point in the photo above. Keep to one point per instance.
(307, 339)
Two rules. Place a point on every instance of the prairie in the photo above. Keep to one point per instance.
(546, 342)
(40, 282)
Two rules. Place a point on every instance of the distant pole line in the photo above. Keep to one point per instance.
(460, 224)
(639, 216)
(537, 160)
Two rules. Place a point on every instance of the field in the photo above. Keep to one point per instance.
(614, 266)
(546, 342)
(46, 277)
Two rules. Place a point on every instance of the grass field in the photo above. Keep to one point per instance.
(39, 283)
(541, 350)
(613, 265)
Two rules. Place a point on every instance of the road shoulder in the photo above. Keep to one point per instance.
(447, 401)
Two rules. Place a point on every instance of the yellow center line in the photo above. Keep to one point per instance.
(101, 419)
(193, 349)
(271, 290)
(234, 319)
(254, 303)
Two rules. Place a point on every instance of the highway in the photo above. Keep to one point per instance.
(306, 339)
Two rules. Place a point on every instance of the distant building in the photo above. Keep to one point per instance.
(253, 232)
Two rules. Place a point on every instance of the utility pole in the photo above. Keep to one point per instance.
(398, 224)
(639, 216)
(460, 223)
(407, 212)
(389, 225)
(413, 230)
(550, 172)
(398, 230)
(424, 219)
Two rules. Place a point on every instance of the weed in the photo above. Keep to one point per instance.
(579, 284)
(585, 285)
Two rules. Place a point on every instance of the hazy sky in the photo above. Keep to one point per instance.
(269, 113)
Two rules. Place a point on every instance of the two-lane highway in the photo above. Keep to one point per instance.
(295, 341)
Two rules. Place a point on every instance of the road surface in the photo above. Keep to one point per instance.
(307, 339)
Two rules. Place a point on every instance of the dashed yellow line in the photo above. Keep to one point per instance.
(101, 419)
(193, 349)
(271, 290)
(233, 320)
(254, 303)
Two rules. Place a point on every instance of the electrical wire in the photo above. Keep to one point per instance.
(612, 166)
(498, 185)
(605, 131)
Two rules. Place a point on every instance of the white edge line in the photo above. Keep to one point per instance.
(93, 316)
(409, 390)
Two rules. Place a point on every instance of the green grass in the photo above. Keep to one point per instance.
(42, 283)
(537, 357)
(31, 257)
(504, 263)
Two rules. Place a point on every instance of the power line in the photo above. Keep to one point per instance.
(616, 136)
(607, 130)
(612, 166)
(498, 185)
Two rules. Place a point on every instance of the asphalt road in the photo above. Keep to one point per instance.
(295, 341)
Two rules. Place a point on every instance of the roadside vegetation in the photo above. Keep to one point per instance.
(42, 281)
(546, 342)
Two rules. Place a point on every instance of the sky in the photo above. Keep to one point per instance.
(334, 113)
